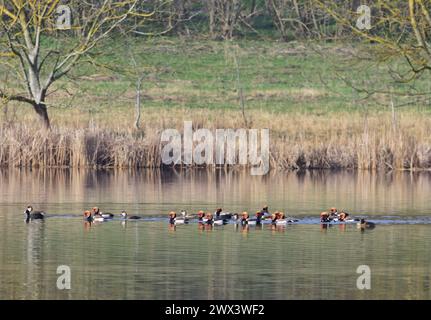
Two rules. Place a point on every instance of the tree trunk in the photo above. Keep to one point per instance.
(211, 12)
(298, 14)
(42, 112)
(138, 102)
(253, 7)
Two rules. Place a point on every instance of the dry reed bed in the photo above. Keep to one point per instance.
(297, 141)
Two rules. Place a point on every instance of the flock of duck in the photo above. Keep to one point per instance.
(219, 217)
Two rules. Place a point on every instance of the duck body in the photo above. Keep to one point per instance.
(216, 222)
(280, 222)
(134, 218)
(203, 220)
(226, 215)
(346, 221)
(100, 216)
(246, 220)
(125, 216)
(87, 216)
(209, 219)
(236, 218)
(265, 214)
(219, 214)
(201, 217)
(174, 220)
(279, 218)
(252, 222)
(33, 215)
(362, 224)
(98, 219)
(180, 220)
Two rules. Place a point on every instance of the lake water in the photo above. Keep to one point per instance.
(148, 259)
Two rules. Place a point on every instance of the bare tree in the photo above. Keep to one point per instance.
(223, 17)
(300, 18)
(399, 29)
(25, 24)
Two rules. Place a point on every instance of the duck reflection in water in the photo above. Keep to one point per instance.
(205, 227)
(277, 228)
(245, 229)
(324, 227)
(87, 225)
(342, 227)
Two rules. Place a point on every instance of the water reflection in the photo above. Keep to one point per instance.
(154, 260)
(157, 192)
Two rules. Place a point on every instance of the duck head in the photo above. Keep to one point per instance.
(123, 214)
(201, 214)
(218, 211)
(324, 216)
(172, 216)
(27, 213)
(244, 216)
(258, 215)
(209, 217)
(96, 211)
(183, 213)
(333, 211)
(87, 215)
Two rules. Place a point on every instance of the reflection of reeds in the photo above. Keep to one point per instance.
(297, 141)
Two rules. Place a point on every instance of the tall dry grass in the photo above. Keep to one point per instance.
(297, 141)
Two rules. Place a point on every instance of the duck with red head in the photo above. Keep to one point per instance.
(244, 217)
(279, 218)
(214, 221)
(87, 216)
(201, 216)
(173, 219)
(333, 213)
(342, 216)
(246, 220)
(324, 217)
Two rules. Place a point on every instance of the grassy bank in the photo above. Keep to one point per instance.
(315, 119)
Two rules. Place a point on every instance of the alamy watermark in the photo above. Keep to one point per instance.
(64, 279)
(363, 282)
(64, 17)
(202, 147)
(364, 20)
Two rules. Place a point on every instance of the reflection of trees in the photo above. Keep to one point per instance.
(155, 192)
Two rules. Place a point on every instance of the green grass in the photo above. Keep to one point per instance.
(275, 76)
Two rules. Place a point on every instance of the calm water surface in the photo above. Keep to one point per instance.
(147, 259)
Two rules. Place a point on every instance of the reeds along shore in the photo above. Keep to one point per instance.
(297, 141)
